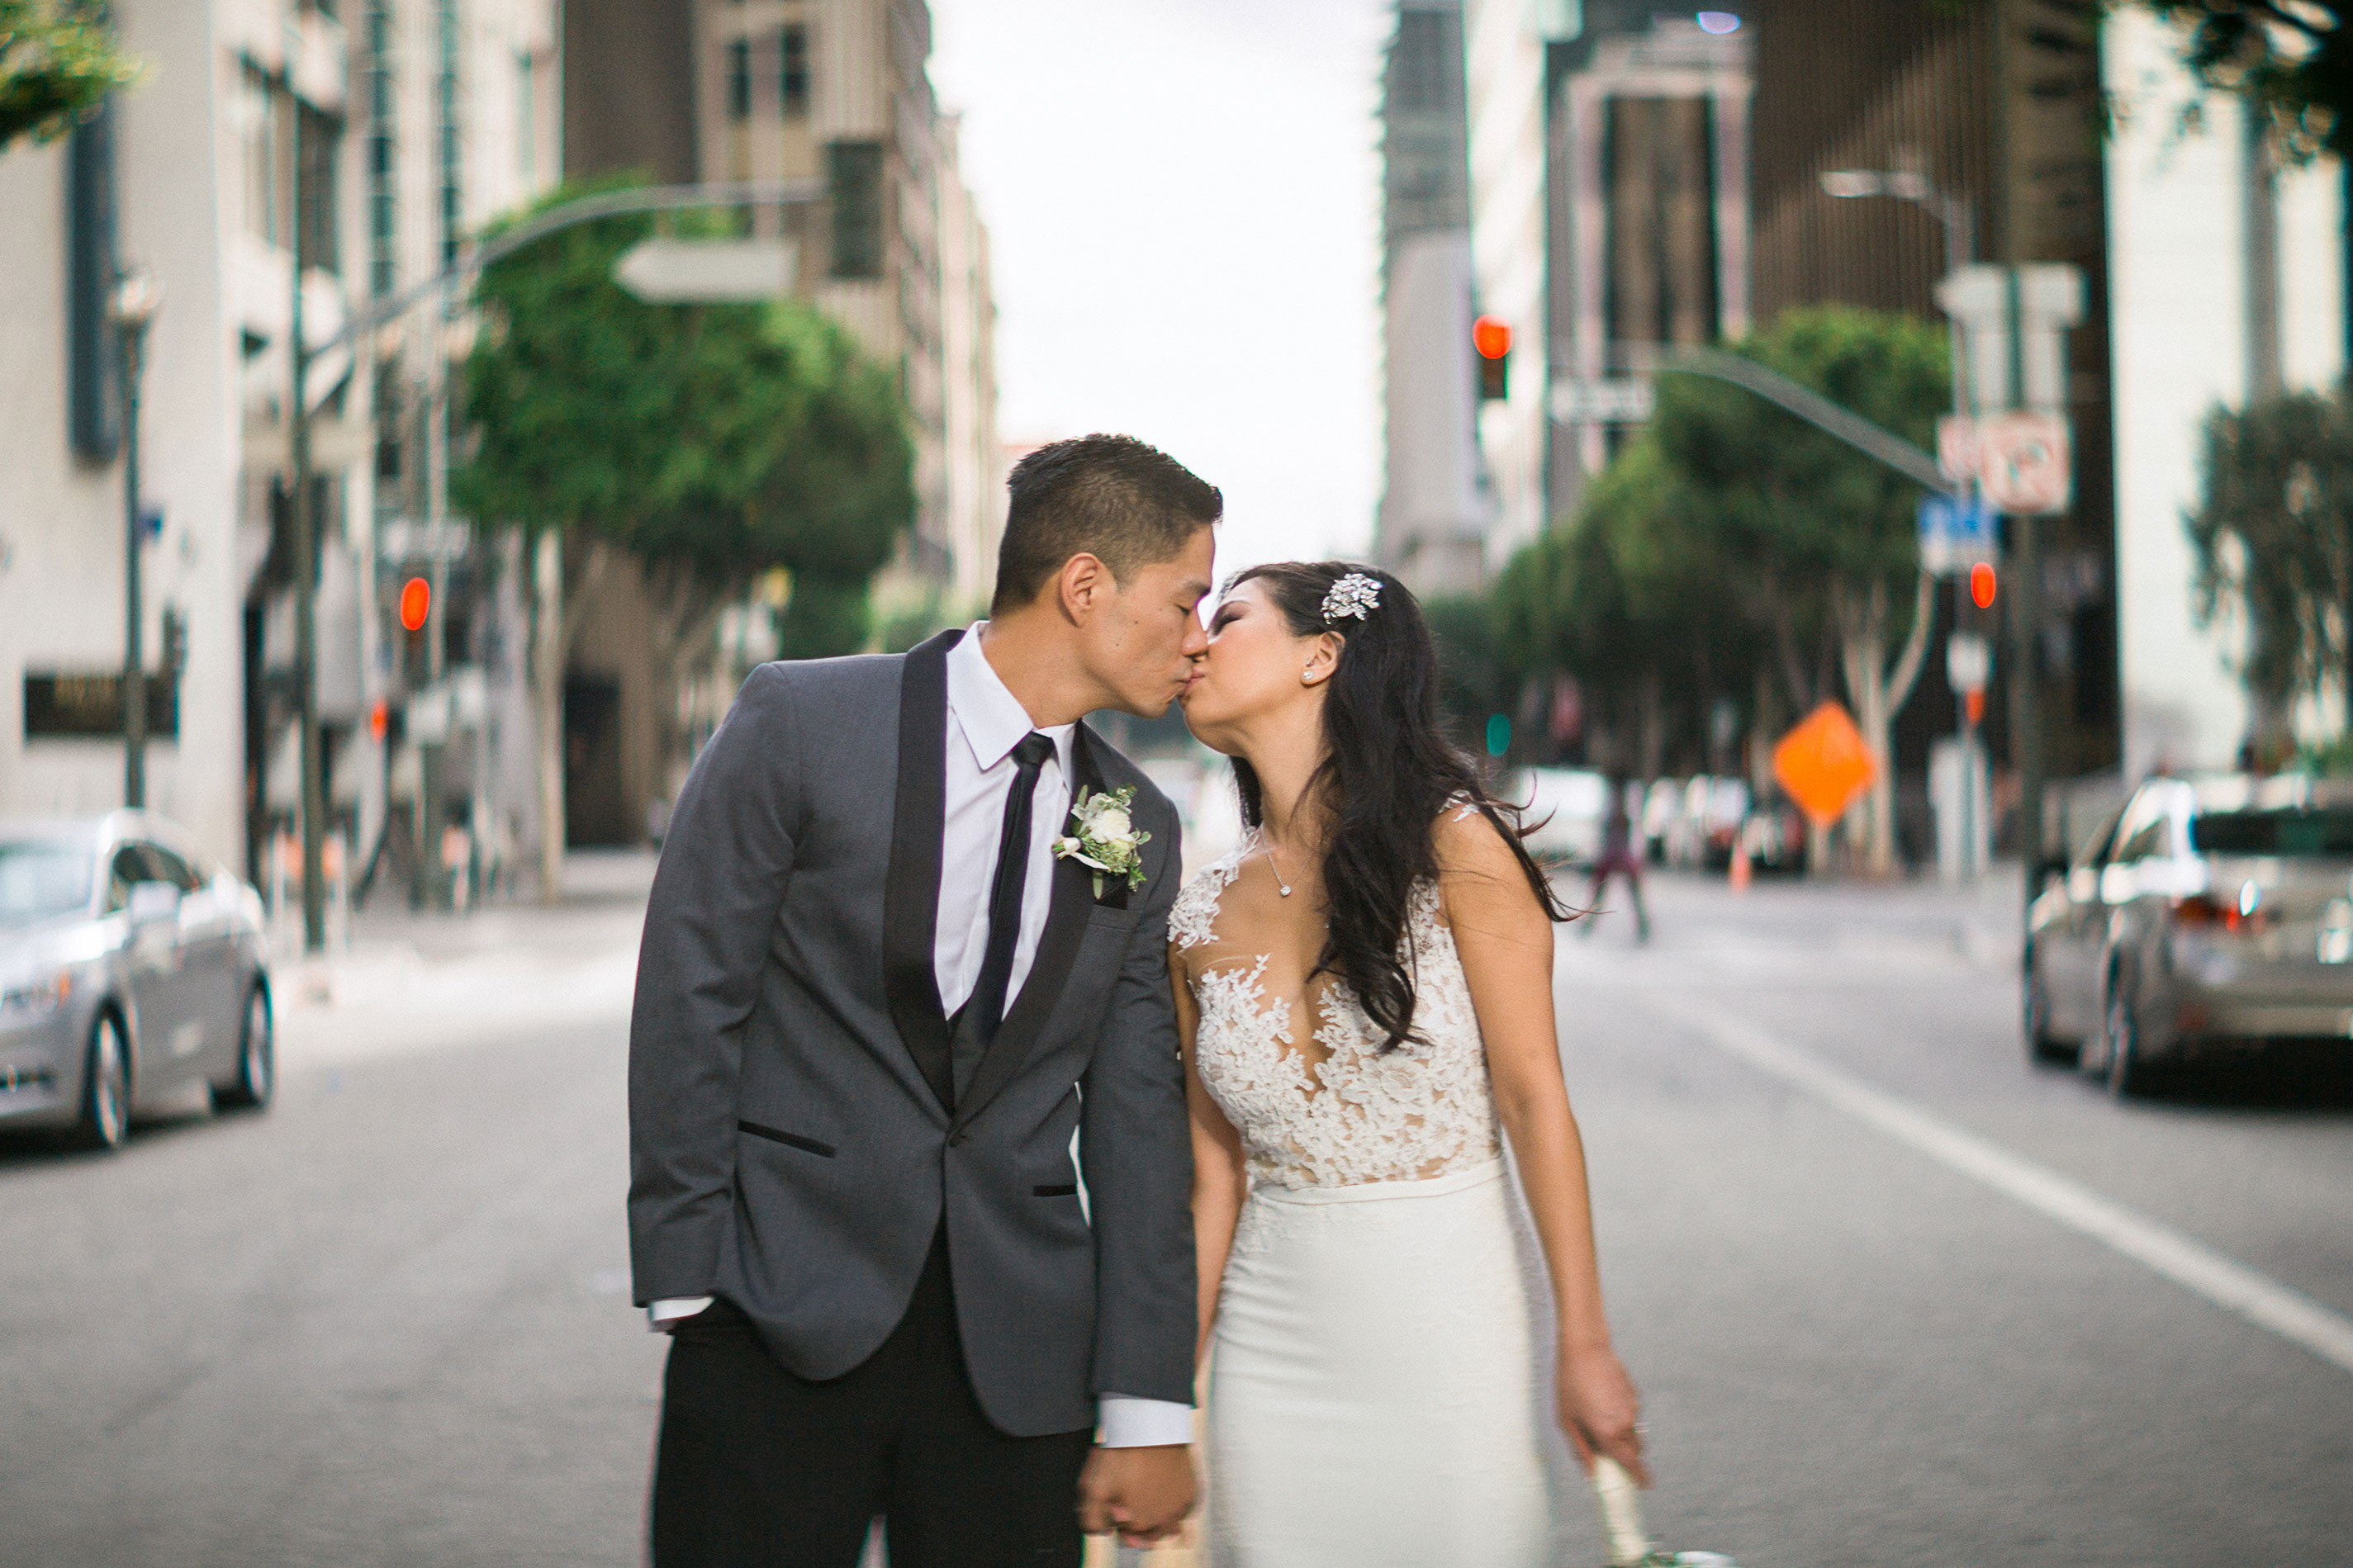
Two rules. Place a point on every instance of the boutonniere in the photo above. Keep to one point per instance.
(1104, 837)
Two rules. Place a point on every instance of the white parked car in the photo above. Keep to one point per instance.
(1566, 806)
(130, 966)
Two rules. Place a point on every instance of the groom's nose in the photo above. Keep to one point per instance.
(1196, 638)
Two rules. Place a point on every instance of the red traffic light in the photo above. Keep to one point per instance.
(1492, 336)
(416, 603)
(379, 719)
(1981, 585)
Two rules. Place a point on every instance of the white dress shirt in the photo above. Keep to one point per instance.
(985, 722)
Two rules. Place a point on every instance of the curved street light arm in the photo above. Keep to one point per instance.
(1871, 440)
(604, 204)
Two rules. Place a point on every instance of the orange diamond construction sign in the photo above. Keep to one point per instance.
(1824, 763)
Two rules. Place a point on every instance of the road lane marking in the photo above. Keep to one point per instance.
(2193, 1265)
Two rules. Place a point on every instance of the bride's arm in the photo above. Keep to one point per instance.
(1218, 1183)
(1506, 940)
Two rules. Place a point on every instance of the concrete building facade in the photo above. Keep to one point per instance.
(1436, 506)
(837, 92)
(2228, 282)
(415, 120)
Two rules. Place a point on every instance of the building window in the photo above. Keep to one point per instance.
(854, 176)
(451, 144)
(793, 82)
(382, 154)
(739, 79)
(264, 143)
(526, 119)
(323, 142)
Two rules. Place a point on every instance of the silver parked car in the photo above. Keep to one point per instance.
(2205, 911)
(130, 967)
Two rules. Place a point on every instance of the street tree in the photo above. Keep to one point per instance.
(708, 443)
(1627, 597)
(2272, 537)
(2293, 59)
(57, 65)
(1821, 534)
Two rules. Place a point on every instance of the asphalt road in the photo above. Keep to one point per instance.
(388, 1323)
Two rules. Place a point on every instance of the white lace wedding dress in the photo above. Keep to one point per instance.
(1379, 1396)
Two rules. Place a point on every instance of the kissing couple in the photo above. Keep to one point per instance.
(961, 1136)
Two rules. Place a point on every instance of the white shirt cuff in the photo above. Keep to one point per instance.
(662, 1314)
(1128, 1423)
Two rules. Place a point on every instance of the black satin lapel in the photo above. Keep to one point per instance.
(910, 893)
(1058, 948)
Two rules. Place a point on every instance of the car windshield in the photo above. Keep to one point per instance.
(2291, 831)
(42, 878)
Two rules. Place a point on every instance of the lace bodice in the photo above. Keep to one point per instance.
(1358, 1114)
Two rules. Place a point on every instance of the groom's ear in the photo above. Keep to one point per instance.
(1084, 586)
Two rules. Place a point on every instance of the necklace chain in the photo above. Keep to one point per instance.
(1273, 865)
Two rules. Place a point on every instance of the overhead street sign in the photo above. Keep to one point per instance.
(667, 271)
(1624, 400)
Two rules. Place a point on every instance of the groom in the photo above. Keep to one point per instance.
(909, 1153)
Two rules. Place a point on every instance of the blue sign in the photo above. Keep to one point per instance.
(1955, 532)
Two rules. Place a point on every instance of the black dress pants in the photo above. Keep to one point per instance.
(758, 1469)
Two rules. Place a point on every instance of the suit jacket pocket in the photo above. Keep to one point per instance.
(792, 1139)
(1107, 918)
(1056, 1190)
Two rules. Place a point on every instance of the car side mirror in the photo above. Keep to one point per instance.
(152, 902)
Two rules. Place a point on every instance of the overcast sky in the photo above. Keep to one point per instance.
(1183, 197)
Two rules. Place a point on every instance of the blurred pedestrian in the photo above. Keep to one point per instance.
(1619, 859)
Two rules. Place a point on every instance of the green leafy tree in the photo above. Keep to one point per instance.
(2292, 58)
(1730, 537)
(2272, 537)
(1633, 603)
(1821, 535)
(57, 65)
(708, 444)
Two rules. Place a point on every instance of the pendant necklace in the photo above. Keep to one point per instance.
(1273, 865)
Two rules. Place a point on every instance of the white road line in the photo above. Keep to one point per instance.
(2224, 1281)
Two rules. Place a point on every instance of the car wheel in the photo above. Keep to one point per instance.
(257, 1059)
(2121, 1067)
(2042, 1046)
(105, 1088)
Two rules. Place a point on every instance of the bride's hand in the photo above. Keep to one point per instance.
(1599, 1409)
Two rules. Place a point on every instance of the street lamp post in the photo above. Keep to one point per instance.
(1958, 220)
(1952, 212)
(137, 295)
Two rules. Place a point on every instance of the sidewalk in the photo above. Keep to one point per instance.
(411, 981)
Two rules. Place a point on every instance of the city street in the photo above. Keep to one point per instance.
(388, 1322)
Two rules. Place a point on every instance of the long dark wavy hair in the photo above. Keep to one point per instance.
(1388, 770)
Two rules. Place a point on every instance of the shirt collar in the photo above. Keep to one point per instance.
(990, 717)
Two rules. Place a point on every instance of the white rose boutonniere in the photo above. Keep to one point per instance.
(1104, 837)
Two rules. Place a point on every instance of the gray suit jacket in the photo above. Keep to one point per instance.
(791, 1144)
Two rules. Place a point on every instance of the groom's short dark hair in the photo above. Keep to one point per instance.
(1112, 497)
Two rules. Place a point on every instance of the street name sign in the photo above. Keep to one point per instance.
(1623, 400)
(668, 271)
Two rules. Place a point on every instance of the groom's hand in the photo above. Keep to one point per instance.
(1143, 1493)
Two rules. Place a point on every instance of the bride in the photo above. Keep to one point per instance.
(1365, 991)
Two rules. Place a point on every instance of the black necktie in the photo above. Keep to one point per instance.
(987, 1004)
